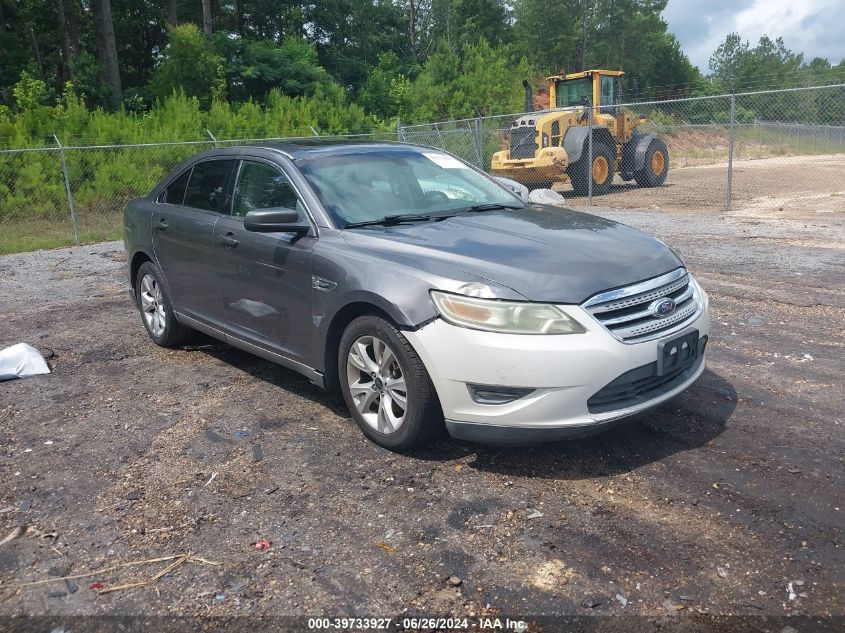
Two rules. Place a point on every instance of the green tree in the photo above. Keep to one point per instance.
(190, 65)
(254, 67)
(480, 80)
(387, 90)
(549, 34)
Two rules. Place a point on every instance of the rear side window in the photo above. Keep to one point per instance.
(208, 186)
(174, 193)
(261, 186)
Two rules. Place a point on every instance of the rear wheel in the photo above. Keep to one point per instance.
(156, 308)
(386, 386)
(601, 170)
(655, 166)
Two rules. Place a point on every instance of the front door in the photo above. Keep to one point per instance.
(183, 235)
(265, 278)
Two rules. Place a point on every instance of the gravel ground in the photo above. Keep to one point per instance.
(726, 501)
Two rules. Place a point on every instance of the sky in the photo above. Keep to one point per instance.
(816, 27)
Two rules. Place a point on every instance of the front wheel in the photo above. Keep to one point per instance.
(386, 386)
(655, 166)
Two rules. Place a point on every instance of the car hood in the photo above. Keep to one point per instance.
(544, 253)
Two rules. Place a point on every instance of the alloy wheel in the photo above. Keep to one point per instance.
(377, 384)
(152, 305)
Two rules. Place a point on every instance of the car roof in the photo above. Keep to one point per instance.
(309, 148)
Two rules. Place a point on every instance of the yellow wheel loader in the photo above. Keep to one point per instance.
(552, 146)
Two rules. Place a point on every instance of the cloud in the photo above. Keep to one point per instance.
(814, 27)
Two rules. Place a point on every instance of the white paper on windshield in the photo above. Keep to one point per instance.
(444, 160)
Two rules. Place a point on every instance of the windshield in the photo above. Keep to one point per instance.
(365, 186)
(571, 92)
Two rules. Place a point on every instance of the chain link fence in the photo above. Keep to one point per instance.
(72, 194)
(723, 151)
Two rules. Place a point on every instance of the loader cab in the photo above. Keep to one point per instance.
(600, 87)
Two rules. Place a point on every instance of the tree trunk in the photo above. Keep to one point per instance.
(172, 14)
(69, 31)
(584, 35)
(412, 27)
(206, 17)
(239, 17)
(37, 52)
(3, 29)
(107, 48)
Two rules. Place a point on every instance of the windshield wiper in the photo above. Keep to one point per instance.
(490, 206)
(390, 220)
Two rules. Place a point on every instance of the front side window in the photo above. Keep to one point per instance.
(208, 187)
(370, 185)
(571, 92)
(262, 186)
(174, 193)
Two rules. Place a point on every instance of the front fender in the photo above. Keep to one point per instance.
(396, 284)
(574, 142)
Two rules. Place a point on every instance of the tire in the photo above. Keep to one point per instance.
(604, 163)
(377, 408)
(655, 167)
(156, 308)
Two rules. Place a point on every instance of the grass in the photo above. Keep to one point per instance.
(18, 236)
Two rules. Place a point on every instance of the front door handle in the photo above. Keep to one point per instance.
(162, 225)
(228, 241)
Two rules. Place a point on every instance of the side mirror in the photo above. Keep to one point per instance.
(274, 221)
(514, 187)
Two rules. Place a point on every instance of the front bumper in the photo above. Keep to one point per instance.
(549, 164)
(563, 372)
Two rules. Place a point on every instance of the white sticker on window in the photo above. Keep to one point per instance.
(444, 160)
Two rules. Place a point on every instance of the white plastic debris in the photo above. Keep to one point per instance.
(790, 592)
(547, 196)
(20, 361)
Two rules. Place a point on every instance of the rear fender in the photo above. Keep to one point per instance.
(633, 152)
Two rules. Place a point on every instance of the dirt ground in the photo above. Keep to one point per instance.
(803, 185)
(724, 502)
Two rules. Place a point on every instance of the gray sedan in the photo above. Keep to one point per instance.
(428, 293)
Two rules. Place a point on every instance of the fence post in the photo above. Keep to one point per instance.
(479, 152)
(398, 129)
(69, 192)
(731, 151)
(590, 153)
(214, 140)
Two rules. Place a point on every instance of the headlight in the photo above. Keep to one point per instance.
(508, 317)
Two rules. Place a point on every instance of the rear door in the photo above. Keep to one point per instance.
(183, 235)
(265, 278)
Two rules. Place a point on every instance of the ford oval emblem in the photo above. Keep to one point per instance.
(662, 307)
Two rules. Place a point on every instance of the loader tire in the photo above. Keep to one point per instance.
(601, 172)
(655, 166)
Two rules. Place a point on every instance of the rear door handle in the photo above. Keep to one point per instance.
(162, 225)
(228, 241)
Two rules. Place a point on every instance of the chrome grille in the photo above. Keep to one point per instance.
(625, 312)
